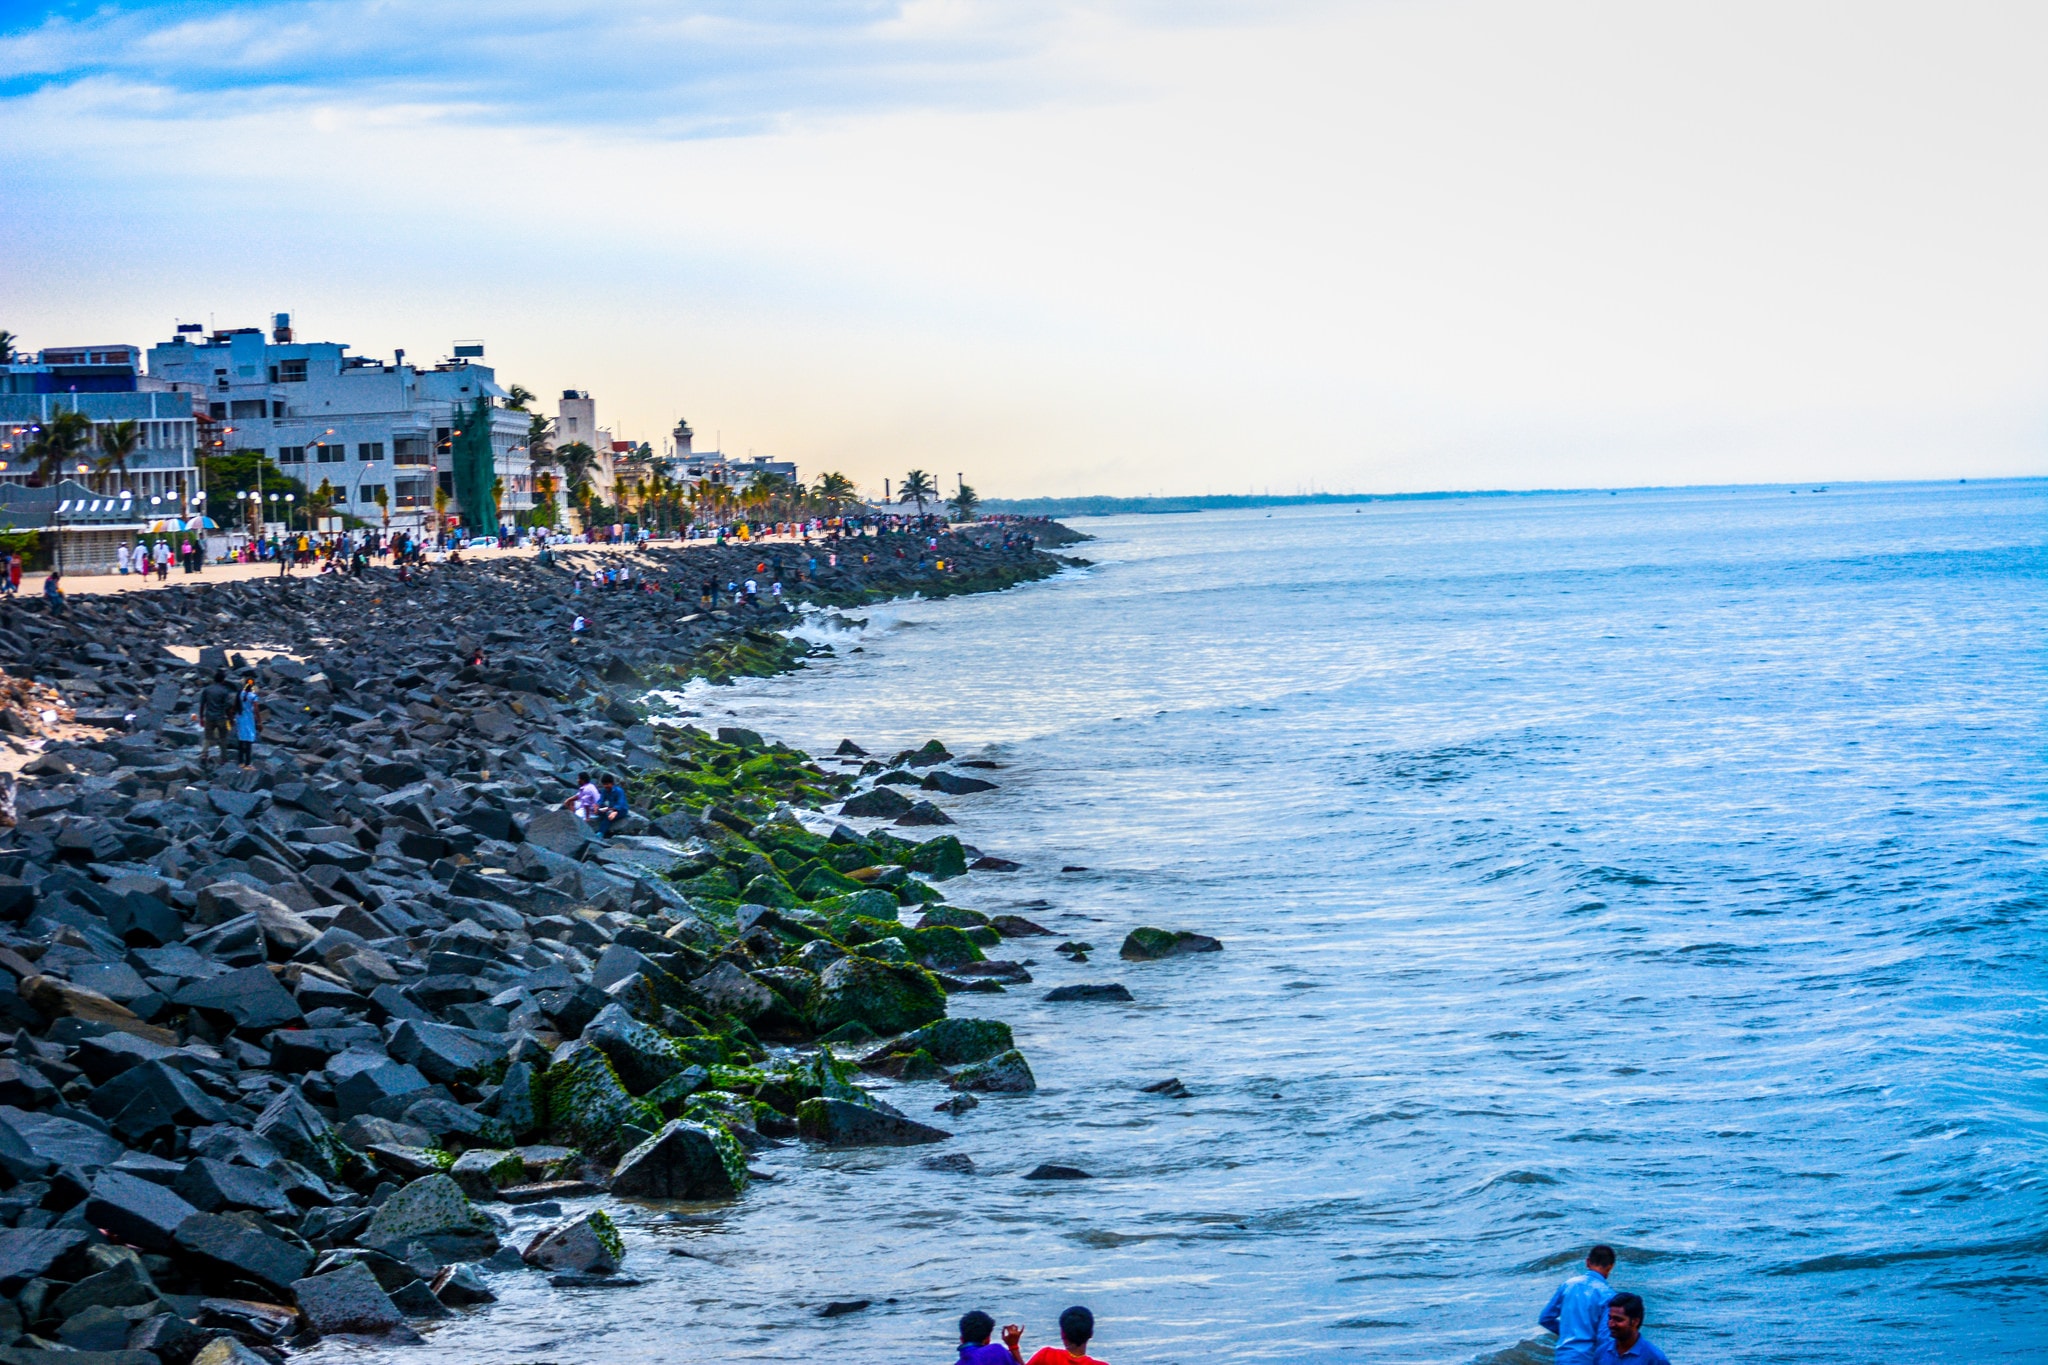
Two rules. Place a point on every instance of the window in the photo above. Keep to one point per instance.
(291, 454)
(217, 411)
(571, 423)
(367, 495)
(291, 371)
(249, 407)
(332, 452)
(369, 452)
(411, 450)
(277, 408)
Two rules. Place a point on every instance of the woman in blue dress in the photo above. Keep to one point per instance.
(248, 721)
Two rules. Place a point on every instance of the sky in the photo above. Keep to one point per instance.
(1062, 247)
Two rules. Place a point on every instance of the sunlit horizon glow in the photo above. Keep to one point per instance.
(1089, 248)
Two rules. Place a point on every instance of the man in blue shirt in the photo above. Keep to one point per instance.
(1577, 1312)
(611, 805)
(1625, 1325)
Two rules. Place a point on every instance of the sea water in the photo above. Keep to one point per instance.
(1663, 869)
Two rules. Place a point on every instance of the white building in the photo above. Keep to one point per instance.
(103, 383)
(357, 423)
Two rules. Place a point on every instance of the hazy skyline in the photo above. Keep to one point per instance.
(1087, 248)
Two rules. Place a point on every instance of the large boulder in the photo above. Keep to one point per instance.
(559, 831)
(348, 1300)
(641, 1055)
(442, 1052)
(227, 1250)
(958, 1042)
(482, 1172)
(683, 1161)
(841, 1123)
(587, 1103)
(586, 1244)
(879, 803)
(887, 997)
(291, 1124)
(1005, 1074)
(252, 997)
(136, 1211)
(435, 1211)
(1149, 945)
(729, 990)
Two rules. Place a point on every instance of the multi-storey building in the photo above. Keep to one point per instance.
(103, 383)
(354, 422)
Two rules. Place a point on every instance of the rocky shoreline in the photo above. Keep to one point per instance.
(286, 1037)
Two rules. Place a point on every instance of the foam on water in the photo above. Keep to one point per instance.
(1664, 869)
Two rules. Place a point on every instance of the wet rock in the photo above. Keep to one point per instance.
(958, 1042)
(684, 1160)
(435, 1212)
(416, 1300)
(1149, 945)
(587, 1243)
(924, 813)
(881, 996)
(588, 1105)
(959, 1163)
(842, 1123)
(1171, 1088)
(460, 1286)
(958, 1104)
(642, 1056)
(879, 803)
(840, 1308)
(1107, 991)
(1005, 1074)
(226, 1351)
(955, 784)
(347, 1300)
(483, 1172)
(1051, 1172)
(1016, 926)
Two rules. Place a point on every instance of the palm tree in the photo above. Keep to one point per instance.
(440, 510)
(519, 396)
(578, 461)
(835, 490)
(118, 441)
(7, 340)
(58, 444)
(964, 502)
(320, 501)
(382, 495)
(540, 449)
(917, 487)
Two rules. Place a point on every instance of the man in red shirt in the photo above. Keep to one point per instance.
(1077, 1325)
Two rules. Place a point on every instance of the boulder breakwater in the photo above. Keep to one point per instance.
(290, 1036)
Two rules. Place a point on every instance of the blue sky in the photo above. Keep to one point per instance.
(1084, 247)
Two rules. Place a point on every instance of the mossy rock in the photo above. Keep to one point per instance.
(1149, 945)
(914, 892)
(954, 915)
(984, 936)
(1006, 1073)
(773, 891)
(669, 1097)
(959, 1042)
(685, 1160)
(941, 946)
(884, 996)
(869, 903)
(939, 858)
(822, 881)
(587, 1103)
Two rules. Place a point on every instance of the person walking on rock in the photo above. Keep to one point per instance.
(248, 720)
(1577, 1312)
(216, 712)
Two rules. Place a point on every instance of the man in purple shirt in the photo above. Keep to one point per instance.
(975, 1329)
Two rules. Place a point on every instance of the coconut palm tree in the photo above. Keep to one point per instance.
(578, 461)
(834, 490)
(118, 441)
(57, 446)
(540, 447)
(382, 496)
(518, 397)
(7, 340)
(964, 502)
(918, 487)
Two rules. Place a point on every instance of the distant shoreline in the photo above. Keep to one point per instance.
(1102, 506)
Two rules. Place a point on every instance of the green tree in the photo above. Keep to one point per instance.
(239, 471)
(964, 503)
(57, 447)
(578, 462)
(382, 495)
(834, 490)
(118, 441)
(7, 340)
(918, 488)
(540, 447)
(518, 397)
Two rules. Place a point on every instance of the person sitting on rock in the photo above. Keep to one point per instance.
(1077, 1326)
(975, 1329)
(584, 802)
(611, 805)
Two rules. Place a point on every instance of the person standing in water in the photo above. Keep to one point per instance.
(1577, 1312)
